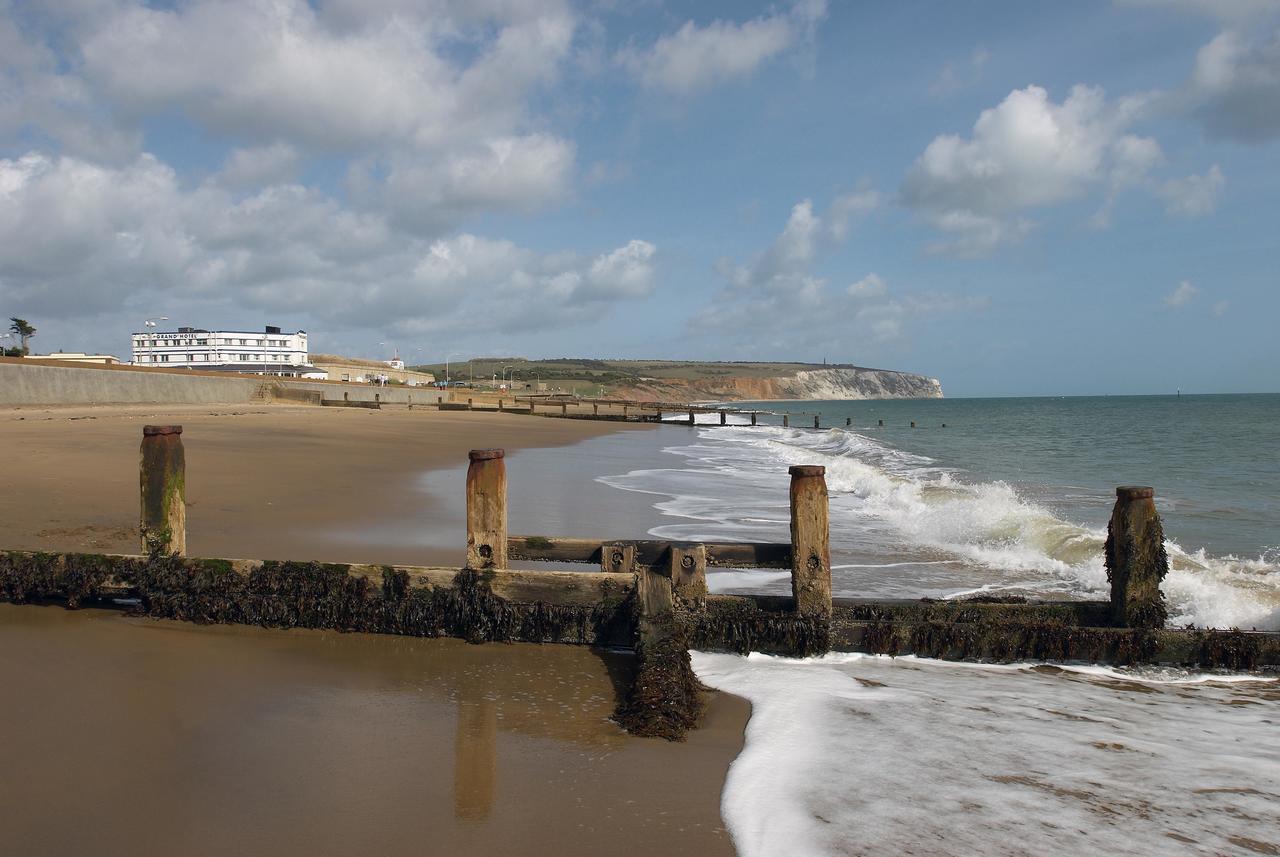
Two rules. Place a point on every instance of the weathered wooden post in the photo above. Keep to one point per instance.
(753, 417)
(1136, 559)
(624, 409)
(692, 419)
(723, 417)
(689, 574)
(848, 421)
(346, 396)
(659, 414)
(810, 541)
(786, 420)
(815, 421)
(617, 557)
(470, 406)
(162, 478)
(595, 409)
(500, 405)
(656, 600)
(564, 409)
(487, 509)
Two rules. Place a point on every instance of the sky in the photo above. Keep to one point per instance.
(1017, 198)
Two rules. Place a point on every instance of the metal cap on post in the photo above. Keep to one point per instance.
(162, 481)
(810, 541)
(487, 509)
(1136, 559)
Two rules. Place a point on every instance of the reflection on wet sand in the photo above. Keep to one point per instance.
(128, 736)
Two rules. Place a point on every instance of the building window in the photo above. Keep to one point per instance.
(202, 342)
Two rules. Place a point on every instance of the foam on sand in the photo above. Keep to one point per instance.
(857, 754)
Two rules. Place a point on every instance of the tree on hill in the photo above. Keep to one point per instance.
(23, 331)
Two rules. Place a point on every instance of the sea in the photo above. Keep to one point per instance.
(858, 754)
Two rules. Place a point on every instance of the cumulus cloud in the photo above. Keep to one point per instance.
(1234, 88)
(779, 295)
(79, 239)
(275, 69)
(432, 97)
(510, 173)
(1193, 196)
(1182, 295)
(258, 165)
(1025, 153)
(694, 58)
(870, 286)
(1030, 153)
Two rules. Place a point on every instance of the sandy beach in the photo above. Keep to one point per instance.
(160, 737)
(261, 481)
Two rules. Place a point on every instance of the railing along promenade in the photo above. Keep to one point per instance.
(647, 595)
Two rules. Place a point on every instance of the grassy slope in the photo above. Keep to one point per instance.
(614, 372)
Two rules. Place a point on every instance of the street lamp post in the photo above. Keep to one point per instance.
(152, 321)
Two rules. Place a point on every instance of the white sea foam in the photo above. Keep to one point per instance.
(856, 754)
(903, 526)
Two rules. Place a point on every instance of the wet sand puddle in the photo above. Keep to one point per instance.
(133, 736)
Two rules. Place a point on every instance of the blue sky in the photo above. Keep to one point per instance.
(1019, 198)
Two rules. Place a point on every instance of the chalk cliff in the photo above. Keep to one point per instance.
(818, 383)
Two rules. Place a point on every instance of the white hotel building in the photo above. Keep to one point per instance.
(269, 352)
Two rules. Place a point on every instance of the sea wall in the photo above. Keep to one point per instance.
(26, 382)
(35, 384)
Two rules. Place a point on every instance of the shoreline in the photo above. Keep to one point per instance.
(332, 469)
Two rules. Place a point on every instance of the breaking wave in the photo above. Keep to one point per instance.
(904, 526)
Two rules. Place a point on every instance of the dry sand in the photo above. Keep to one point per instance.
(135, 736)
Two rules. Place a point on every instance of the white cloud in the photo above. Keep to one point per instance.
(78, 239)
(512, 173)
(1220, 308)
(778, 296)
(276, 70)
(695, 58)
(1234, 88)
(1182, 295)
(1193, 196)
(1029, 153)
(1025, 152)
(260, 165)
(848, 207)
(434, 96)
(870, 286)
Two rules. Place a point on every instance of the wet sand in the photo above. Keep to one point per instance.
(140, 737)
(131, 736)
(268, 482)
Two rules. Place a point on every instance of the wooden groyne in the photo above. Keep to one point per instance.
(647, 595)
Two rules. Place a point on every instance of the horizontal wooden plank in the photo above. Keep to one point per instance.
(649, 553)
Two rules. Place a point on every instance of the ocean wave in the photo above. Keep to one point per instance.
(948, 535)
